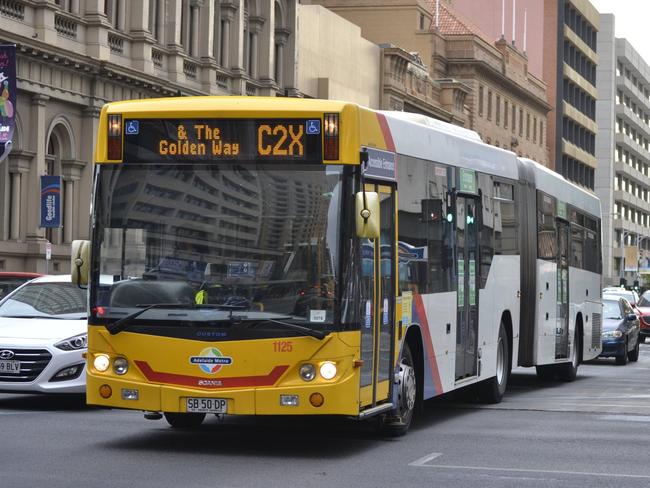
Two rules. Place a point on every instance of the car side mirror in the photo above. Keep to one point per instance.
(630, 317)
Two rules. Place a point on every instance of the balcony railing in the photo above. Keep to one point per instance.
(12, 9)
(65, 26)
(115, 43)
(190, 68)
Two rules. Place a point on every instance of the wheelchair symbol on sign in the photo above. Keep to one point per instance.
(313, 127)
(133, 127)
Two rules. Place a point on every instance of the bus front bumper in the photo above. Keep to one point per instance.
(339, 397)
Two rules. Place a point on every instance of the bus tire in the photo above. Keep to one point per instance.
(493, 389)
(400, 421)
(569, 371)
(184, 420)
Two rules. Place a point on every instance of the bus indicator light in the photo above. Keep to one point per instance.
(316, 399)
(114, 137)
(331, 137)
(105, 391)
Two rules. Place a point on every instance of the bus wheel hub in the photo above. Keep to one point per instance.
(407, 388)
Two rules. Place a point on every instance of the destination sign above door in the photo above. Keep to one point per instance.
(211, 140)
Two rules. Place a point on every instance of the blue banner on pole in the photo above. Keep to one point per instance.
(50, 201)
(7, 97)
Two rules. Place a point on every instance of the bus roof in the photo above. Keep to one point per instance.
(422, 137)
(556, 185)
(157, 107)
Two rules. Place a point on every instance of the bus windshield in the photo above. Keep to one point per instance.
(261, 239)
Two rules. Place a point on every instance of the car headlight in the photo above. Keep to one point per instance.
(613, 333)
(73, 343)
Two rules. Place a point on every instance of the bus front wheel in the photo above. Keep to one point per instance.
(184, 420)
(407, 385)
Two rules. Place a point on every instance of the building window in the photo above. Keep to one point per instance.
(521, 122)
(514, 118)
(489, 105)
(114, 10)
(527, 126)
(498, 110)
(480, 101)
(505, 114)
(534, 129)
(541, 133)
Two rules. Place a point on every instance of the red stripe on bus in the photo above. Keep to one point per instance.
(385, 130)
(428, 343)
(202, 382)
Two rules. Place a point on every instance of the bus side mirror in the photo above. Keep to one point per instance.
(366, 211)
(80, 263)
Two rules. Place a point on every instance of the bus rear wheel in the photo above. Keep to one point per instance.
(493, 389)
(184, 420)
(407, 385)
(569, 371)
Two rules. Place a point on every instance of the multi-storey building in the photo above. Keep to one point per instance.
(570, 61)
(73, 56)
(565, 31)
(484, 84)
(623, 153)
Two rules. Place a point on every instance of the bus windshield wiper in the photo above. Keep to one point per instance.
(318, 334)
(123, 323)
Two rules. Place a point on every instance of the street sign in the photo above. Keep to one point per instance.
(48, 251)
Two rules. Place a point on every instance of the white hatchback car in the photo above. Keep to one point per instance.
(43, 334)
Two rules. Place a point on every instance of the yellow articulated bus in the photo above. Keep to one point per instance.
(250, 256)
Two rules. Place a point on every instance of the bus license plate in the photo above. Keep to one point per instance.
(10, 367)
(206, 405)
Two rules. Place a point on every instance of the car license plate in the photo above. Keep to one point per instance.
(206, 405)
(10, 367)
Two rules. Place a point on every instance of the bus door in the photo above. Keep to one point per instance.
(378, 307)
(467, 269)
(562, 325)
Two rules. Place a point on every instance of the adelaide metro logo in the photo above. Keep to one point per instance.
(211, 360)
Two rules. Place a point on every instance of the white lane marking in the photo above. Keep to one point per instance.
(542, 471)
(627, 418)
(424, 460)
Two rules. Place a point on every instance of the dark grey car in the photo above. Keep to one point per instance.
(620, 336)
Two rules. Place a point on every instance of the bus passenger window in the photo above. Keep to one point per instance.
(546, 227)
(425, 250)
(505, 219)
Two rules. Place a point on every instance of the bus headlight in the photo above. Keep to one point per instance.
(101, 363)
(120, 366)
(328, 370)
(307, 372)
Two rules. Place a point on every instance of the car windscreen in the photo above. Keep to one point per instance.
(611, 309)
(54, 300)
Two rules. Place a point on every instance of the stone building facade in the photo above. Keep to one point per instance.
(476, 78)
(75, 55)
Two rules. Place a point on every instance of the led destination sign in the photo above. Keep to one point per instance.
(165, 140)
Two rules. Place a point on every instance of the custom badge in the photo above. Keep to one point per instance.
(211, 360)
